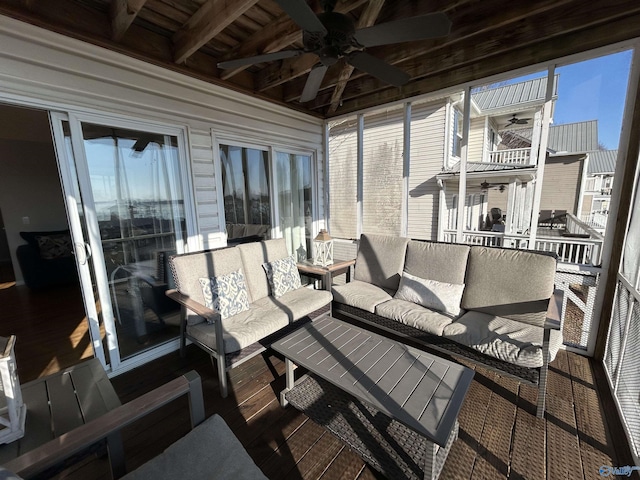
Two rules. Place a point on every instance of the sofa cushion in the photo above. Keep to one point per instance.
(444, 262)
(514, 284)
(243, 329)
(361, 295)
(253, 256)
(380, 260)
(282, 275)
(226, 294)
(210, 447)
(440, 296)
(502, 338)
(298, 303)
(414, 315)
(54, 246)
(188, 269)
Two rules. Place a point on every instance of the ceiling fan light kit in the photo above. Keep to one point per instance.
(332, 35)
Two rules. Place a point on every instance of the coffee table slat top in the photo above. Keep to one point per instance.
(421, 390)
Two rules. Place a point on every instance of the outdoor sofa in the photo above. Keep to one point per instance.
(238, 300)
(488, 305)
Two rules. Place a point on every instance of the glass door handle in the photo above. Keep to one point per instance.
(83, 252)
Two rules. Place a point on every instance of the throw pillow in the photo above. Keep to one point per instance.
(283, 275)
(440, 296)
(226, 294)
(54, 246)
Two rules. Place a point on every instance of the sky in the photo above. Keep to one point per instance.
(593, 90)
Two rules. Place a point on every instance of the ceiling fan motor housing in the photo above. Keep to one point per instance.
(337, 42)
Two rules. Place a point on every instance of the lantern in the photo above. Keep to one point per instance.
(12, 410)
(323, 249)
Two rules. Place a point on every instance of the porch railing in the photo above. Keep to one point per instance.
(515, 156)
(595, 219)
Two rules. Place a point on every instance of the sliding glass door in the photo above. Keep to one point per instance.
(129, 183)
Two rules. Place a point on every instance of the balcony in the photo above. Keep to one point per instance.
(515, 156)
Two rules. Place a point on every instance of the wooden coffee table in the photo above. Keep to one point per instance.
(326, 274)
(396, 405)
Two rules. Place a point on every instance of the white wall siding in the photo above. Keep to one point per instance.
(476, 140)
(427, 157)
(50, 71)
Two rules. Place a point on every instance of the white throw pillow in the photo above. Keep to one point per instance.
(226, 294)
(440, 296)
(283, 275)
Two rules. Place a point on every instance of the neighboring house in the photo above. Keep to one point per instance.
(596, 196)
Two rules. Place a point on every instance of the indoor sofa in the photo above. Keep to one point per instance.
(489, 305)
(238, 300)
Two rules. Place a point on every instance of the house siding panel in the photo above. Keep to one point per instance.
(562, 177)
(476, 140)
(427, 156)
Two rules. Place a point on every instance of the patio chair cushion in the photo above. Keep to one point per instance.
(226, 294)
(440, 296)
(209, 451)
(297, 303)
(503, 338)
(495, 284)
(414, 315)
(380, 260)
(253, 256)
(363, 295)
(443, 262)
(242, 329)
(282, 275)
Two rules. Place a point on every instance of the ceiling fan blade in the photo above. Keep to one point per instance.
(421, 27)
(378, 68)
(314, 80)
(302, 14)
(267, 57)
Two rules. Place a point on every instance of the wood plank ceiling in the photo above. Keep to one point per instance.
(191, 36)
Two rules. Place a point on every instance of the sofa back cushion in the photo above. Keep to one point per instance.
(513, 284)
(443, 262)
(189, 268)
(380, 260)
(253, 256)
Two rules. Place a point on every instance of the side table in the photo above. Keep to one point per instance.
(326, 274)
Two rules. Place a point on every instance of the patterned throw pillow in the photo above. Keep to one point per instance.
(54, 246)
(226, 294)
(283, 275)
(440, 296)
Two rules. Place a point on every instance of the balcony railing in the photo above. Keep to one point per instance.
(515, 156)
(595, 219)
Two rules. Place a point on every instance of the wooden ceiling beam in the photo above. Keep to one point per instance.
(212, 17)
(367, 19)
(123, 13)
(470, 68)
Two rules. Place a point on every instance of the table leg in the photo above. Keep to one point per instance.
(290, 367)
(328, 277)
(116, 455)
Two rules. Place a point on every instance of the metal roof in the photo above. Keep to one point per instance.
(579, 137)
(602, 161)
(527, 92)
(486, 167)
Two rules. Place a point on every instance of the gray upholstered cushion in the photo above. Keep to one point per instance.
(282, 275)
(226, 294)
(444, 262)
(440, 296)
(502, 338)
(380, 260)
(363, 295)
(253, 256)
(414, 315)
(514, 284)
(189, 268)
(298, 303)
(242, 329)
(210, 450)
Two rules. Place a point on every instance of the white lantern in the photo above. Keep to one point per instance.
(13, 411)
(323, 249)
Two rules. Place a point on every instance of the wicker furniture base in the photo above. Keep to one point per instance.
(387, 445)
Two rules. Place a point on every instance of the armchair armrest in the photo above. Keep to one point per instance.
(210, 315)
(554, 312)
(70, 443)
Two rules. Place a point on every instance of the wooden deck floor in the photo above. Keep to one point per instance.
(500, 437)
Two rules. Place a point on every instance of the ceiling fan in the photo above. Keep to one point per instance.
(499, 186)
(332, 36)
(517, 121)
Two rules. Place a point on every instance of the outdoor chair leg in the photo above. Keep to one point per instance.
(222, 374)
(542, 383)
